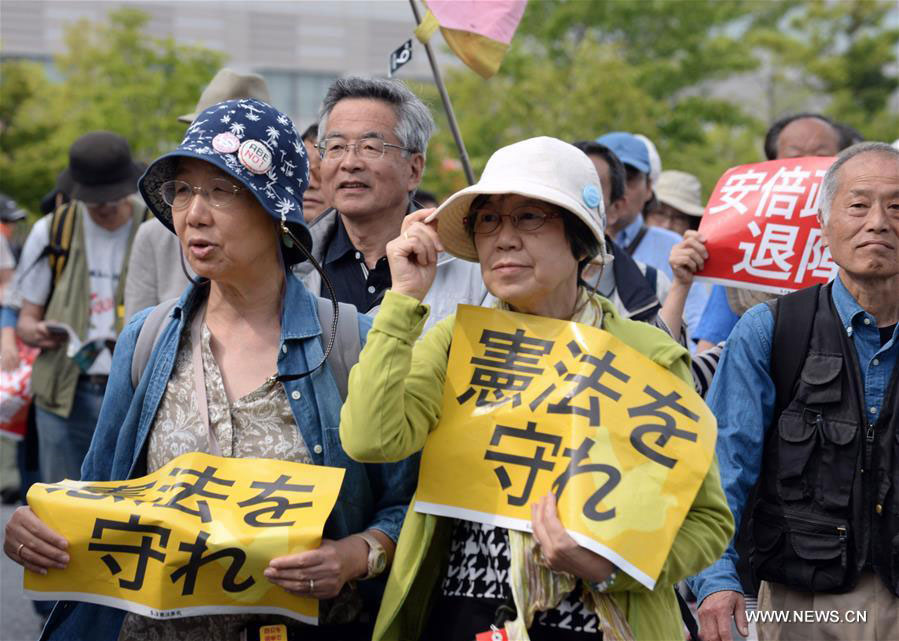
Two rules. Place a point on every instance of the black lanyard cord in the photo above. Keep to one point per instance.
(333, 296)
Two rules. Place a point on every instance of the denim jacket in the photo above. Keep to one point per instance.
(372, 495)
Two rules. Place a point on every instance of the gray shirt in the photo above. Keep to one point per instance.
(154, 271)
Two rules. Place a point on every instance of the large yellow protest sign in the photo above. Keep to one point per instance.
(534, 405)
(192, 538)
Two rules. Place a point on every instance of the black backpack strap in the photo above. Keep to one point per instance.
(687, 616)
(59, 241)
(794, 316)
(62, 230)
(652, 276)
(630, 249)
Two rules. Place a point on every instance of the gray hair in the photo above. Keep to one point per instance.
(831, 178)
(414, 123)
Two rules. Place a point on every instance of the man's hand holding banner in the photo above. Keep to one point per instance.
(534, 405)
(192, 538)
(761, 227)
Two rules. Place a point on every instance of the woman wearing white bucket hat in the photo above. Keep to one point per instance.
(533, 221)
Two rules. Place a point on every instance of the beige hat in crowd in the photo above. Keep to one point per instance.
(680, 190)
(229, 85)
(542, 168)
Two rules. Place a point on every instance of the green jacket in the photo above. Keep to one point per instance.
(54, 376)
(395, 394)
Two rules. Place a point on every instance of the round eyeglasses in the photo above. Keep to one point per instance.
(367, 148)
(218, 192)
(487, 222)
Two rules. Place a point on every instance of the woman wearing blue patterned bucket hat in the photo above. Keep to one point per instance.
(251, 143)
(238, 368)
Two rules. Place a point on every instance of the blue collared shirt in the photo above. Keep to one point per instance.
(718, 319)
(742, 398)
(654, 250)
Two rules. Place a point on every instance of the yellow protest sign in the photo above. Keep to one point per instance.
(192, 538)
(534, 405)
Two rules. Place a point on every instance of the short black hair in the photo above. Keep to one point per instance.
(582, 241)
(850, 135)
(422, 195)
(843, 132)
(650, 205)
(617, 175)
(311, 133)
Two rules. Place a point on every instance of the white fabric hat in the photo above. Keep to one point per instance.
(542, 168)
(681, 191)
(655, 161)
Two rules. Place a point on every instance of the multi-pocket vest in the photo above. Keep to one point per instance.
(828, 493)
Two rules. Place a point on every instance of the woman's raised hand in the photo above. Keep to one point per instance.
(30, 543)
(413, 255)
(688, 257)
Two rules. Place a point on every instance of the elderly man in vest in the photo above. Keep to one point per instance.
(72, 305)
(807, 401)
(373, 135)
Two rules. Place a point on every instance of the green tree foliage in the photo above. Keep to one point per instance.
(846, 51)
(578, 69)
(114, 77)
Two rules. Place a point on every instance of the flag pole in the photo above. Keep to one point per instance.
(447, 105)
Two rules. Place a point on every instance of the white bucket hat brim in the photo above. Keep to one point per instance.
(568, 181)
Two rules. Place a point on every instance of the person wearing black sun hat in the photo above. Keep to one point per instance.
(76, 280)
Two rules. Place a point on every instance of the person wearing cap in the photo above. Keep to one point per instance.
(10, 214)
(157, 270)
(373, 136)
(636, 289)
(648, 244)
(232, 191)
(87, 295)
(533, 222)
(680, 202)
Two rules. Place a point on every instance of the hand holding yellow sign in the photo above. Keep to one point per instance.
(192, 538)
(534, 405)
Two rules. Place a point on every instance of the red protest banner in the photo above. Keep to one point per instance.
(761, 227)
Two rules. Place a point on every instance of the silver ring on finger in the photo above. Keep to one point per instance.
(19, 550)
(312, 585)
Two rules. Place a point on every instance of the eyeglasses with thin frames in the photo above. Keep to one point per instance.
(367, 148)
(218, 192)
(488, 222)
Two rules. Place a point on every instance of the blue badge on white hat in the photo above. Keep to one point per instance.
(591, 196)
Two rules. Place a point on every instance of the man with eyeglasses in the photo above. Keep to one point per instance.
(373, 134)
(84, 293)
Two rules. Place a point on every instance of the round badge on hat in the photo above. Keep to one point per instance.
(591, 196)
(226, 143)
(255, 156)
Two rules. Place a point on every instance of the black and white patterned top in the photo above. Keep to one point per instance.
(479, 569)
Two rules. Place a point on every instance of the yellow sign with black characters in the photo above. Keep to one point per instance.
(192, 538)
(534, 405)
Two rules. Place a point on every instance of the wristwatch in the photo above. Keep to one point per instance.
(377, 556)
